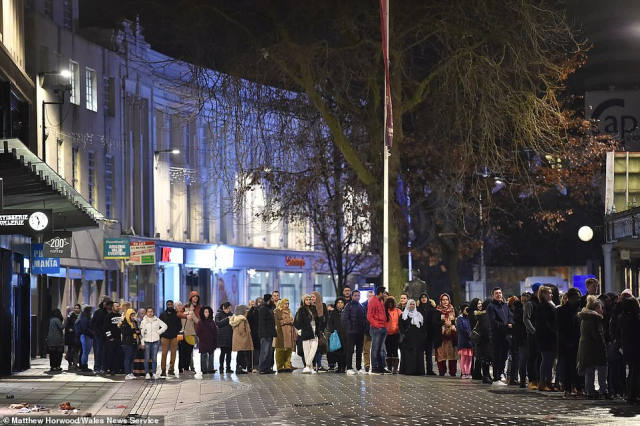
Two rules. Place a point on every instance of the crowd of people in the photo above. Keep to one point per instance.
(539, 340)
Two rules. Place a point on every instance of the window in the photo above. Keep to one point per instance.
(74, 69)
(108, 185)
(67, 18)
(258, 283)
(48, 8)
(109, 95)
(91, 175)
(91, 84)
(75, 167)
(323, 284)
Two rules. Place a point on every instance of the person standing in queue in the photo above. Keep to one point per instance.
(169, 339)
(266, 331)
(225, 336)
(412, 346)
(377, 317)
(353, 319)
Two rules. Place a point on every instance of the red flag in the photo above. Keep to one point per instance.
(384, 18)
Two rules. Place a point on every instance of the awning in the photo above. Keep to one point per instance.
(29, 183)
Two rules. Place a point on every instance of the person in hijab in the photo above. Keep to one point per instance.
(432, 323)
(55, 341)
(285, 341)
(130, 334)
(320, 311)
(446, 351)
(225, 335)
(242, 342)
(252, 318)
(414, 334)
(483, 343)
(207, 333)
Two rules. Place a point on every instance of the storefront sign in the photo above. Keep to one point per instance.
(116, 248)
(25, 222)
(295, 261)
(172, 255)
(224, 258)
(142, 253)
(201, 258)
(58, 244)
(41, 264)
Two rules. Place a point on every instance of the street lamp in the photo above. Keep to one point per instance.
(66, 74)
(585, 233)
(156, 154)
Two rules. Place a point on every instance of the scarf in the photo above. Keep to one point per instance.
(416, 317)
(318, 305)
(447, 312)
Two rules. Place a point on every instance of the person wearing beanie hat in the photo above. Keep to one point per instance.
(266, 332)
(242, 342)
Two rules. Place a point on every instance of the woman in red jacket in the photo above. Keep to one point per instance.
(393, 334)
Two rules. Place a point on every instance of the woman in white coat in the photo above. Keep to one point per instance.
(151, 328)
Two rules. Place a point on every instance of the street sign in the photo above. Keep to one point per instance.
(58, 244)
(25, 221)
(41, 264)
(142, 253)
(116, 248)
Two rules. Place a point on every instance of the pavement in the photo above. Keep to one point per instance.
(294, 398)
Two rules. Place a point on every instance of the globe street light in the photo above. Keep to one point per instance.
(585, 233)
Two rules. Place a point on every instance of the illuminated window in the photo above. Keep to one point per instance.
(91, 84)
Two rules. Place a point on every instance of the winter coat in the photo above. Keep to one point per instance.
(266, 322)
(500, 317)
(432, 323)
(483, 347)
(354, 318)
(242, 340)
(83, 326)
(592, 349)
(55, 337)
(413, 337)
(174, 325)
(335, 323)
(365, 306)
(189, 324)
(546, 329)
(519, 331)
(129, 335)
(286, 333)
(302, 322)
(376, 314)
(253, 320)
(529, 317)
(111, 330)
(207, 333)
(97, 323)
(629, 324)
(393, 325)
(69, 329)
(151, 329)
(225, 333)
(568, 329)
(464, 332)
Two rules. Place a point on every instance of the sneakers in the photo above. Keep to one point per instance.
(374, 373)
(129, 376)
(314, 372)
(163, 375)
(362, 371)
(499, 383)
(351, 372)
(307, 370)
(147, 376)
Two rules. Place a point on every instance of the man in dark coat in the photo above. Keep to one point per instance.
(113, 363)
(97, 325)
(70, 339)
(432, 324)
(266, 332)
(252, 319)
(501, 324)
(354, 320)
(169, 339)
(568, 340)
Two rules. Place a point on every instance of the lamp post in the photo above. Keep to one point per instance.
(156, 154)
(64, 74)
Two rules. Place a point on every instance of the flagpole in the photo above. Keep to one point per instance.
(385, 183)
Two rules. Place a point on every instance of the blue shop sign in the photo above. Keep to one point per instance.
(41, 264)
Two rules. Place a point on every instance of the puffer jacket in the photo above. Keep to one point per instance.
(242, 340)
(354, 318)
(152, 328)
(592, 349)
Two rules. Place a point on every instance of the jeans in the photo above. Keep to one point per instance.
(151, 349)
(206, 362)
(354, 340)
(129, 355)
(589, 378)
(266, 354)
(166, 344)
(87, 343)
(533, 358)
(98, 354)
(225, 353)
(523, 356)
(377, 345)
(317, 359)
(546, 368)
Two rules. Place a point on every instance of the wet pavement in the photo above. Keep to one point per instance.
(321, 399)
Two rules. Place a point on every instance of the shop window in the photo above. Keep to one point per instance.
(324, 284)
(258, 284)
(291, 287)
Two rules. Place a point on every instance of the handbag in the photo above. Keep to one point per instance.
(334, 342)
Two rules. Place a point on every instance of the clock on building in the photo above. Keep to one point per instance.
(38, 221)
